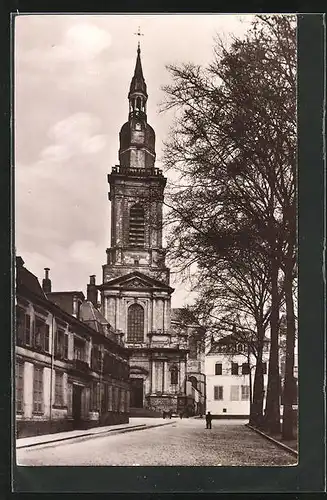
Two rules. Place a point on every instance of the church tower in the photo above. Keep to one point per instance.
(135, 293)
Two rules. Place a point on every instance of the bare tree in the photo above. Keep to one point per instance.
(234, 147)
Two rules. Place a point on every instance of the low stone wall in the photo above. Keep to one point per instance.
(27, 428)
(113, 418)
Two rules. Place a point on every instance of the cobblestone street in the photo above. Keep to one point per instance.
(184, 443)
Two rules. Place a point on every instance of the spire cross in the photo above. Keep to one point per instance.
(139, 34)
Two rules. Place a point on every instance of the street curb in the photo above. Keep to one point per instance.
(88, 434)
(278, 443)
(123, 430)
(157, 425)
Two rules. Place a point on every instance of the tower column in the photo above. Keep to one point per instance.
(151, 315)
(182, 372)
(166, 372)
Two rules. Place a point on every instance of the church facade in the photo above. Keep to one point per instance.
(135, 290)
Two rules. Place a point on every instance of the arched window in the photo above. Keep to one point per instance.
(174, 375)
(135, 323)
(136, 226)
(138, 103)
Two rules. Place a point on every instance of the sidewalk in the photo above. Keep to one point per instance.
(290, 447)
(133, 425)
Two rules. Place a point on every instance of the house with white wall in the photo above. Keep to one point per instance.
(229, 370)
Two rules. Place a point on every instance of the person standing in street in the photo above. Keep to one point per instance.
(208, 420)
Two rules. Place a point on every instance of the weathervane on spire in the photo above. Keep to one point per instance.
(138, 34)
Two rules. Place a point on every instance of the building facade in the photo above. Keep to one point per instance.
(136, 291)
(229, 377)
(195, 397)
(71, 371)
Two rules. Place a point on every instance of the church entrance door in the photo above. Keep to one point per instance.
(136, 393)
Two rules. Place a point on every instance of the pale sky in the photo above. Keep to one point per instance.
(72, 76)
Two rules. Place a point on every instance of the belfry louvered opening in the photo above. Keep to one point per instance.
(136, 226)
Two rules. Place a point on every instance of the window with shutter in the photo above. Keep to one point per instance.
(218, 392)
(19, 387)
(41, 335)
(218, 369)
(65, 348)
(79, 349)
(234, 393)
(245, 369)
(47, 338)
(245, 392)
(110, 398)
(59, 388)
(28, 330)
(234, 368)
(20, 326)
(37, 390)
(59, 343)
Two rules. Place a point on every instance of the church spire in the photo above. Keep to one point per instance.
(138, 83)
(137, 137)
(137, 95)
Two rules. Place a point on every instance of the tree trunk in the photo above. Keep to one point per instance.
(272, 412)
(250, 380)
(289, 386)
(256, 411)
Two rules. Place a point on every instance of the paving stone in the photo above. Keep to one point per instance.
(185, 442)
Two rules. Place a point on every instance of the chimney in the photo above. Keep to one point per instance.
(46, 282)
(92, 291)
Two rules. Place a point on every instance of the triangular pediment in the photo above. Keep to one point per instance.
(137, 280)
(137, 283)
